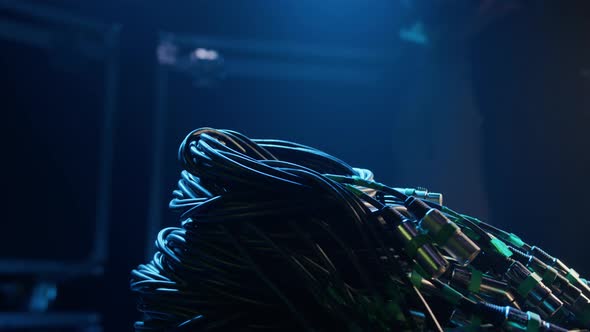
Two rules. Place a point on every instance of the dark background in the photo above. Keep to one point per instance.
(492, 111)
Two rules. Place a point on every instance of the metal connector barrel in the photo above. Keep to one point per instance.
(449, 236)
(444, 232)
(417, 246)
(529, 285)
(425, 254)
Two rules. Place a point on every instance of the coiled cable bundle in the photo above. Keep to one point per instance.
(278, 236)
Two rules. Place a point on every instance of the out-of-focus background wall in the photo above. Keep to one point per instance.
(485, 101)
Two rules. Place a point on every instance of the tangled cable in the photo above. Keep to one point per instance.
(278, 236)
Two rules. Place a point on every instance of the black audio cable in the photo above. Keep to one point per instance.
(278, 236)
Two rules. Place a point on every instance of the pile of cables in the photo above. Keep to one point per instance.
(278, 236)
